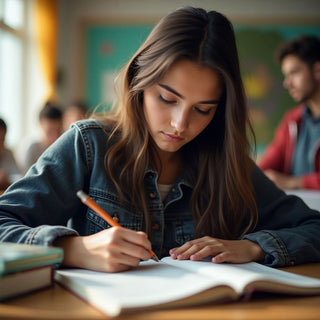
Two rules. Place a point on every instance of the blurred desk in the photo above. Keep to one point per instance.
(59, 304)
(310, 197)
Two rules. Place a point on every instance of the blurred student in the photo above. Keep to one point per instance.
(50, 120)
(9, 171)
(292, 160)
(76, 111)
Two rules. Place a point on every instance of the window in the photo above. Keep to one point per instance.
(11, 66)
(11, 12)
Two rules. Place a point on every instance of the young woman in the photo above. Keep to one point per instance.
(171, 164)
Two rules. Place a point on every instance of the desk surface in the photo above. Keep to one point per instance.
(56, 304)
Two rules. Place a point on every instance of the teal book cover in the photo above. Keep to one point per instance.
(17, 257)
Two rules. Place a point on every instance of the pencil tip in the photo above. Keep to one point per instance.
(155, 258)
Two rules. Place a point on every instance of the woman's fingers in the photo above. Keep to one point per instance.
(198, 248)
(111, 250)
(232, 251)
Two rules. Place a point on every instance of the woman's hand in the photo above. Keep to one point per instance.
(112, 250)
(232, 251)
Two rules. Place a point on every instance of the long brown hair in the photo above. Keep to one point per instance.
(218, 162)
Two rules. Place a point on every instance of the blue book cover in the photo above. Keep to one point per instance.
(17, 257)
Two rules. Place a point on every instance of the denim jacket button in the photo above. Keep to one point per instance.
(155, 227)
(152, 195)
(116, 218)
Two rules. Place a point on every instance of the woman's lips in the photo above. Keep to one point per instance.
(172, 137)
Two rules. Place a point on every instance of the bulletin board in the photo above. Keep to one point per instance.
(109, 46)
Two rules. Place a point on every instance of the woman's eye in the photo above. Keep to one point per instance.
(203, 111)
(165, 100)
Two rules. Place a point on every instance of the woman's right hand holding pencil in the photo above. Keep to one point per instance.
(112, 250)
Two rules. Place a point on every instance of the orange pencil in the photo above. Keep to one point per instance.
(104, 215)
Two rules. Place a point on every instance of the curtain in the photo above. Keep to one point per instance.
(46, 31)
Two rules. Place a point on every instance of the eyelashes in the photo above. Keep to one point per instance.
(204, 112)
(165, 100)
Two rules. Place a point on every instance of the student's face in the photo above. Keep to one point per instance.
(299, 79)
(51, 129)
(181, 104)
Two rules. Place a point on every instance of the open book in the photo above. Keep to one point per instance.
(173, 283)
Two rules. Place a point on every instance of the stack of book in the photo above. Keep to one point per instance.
(26, 268)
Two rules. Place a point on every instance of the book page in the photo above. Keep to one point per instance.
(149, 284)
(238, 276)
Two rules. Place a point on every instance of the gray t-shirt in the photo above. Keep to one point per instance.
(308, 138)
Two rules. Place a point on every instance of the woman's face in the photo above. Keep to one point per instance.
(181, 104)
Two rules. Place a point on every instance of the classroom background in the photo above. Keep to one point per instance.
(70, 50)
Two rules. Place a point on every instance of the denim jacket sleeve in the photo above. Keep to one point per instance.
(36, 208)
(287, 230)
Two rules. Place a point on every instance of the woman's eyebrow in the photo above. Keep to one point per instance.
(164, 86)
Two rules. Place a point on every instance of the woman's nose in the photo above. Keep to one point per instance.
(179, 120)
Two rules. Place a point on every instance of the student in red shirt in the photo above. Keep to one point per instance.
(292, 160)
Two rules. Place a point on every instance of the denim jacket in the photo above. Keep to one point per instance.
(43, 205)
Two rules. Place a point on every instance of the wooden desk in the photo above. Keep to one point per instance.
(57, 303)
